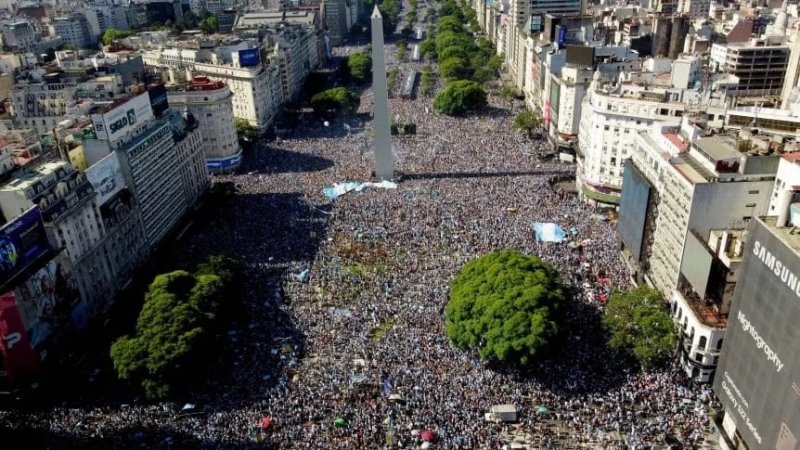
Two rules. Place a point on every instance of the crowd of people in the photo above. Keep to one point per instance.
(345, 345)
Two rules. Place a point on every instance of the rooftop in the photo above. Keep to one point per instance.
(788, 235)
(26, 178)
(718, 148)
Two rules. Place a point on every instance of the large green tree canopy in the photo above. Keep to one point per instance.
(460, 97)
(640, 325)
(175, 327)
(337, 101)
(506, 305)
(359, 66)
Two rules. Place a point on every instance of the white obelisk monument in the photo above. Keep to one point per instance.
(384, 160)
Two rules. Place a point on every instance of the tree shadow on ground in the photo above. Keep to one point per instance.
(581, 362)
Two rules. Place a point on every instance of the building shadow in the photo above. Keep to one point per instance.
(274, 160)
(275, 236)
(457, 175)
(128, 437)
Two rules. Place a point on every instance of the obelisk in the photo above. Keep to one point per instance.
(384, 160)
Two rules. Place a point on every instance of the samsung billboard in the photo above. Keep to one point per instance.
(121, 120)
(758, 377)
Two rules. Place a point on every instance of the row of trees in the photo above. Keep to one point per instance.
(463, 62)
(510, 308)
(177, 330)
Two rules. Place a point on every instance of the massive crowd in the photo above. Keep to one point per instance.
(345, 346)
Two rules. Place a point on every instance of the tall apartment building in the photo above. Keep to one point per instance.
(759, 65)
(72, 221)
(210, 102)
(611, 116)
(335, 18)
(758, 370)
(41, 105)
(256, 85)
(74, 30)
(19, 36)
(296, 53)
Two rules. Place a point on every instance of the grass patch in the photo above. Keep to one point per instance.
(380, 331)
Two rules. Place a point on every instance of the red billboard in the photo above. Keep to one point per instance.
(20, 359)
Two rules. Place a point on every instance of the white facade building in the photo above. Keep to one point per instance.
(211, 105)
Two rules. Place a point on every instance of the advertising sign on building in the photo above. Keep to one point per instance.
(249, 57)
(22, 242)
(537, 24)
(106, 177)
(19, 359)
(158, 99)
(124, 118)
(561, 35)
(758, 377)
(49, 301)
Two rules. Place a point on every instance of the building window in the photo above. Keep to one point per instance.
(752, 192)
(702, 343)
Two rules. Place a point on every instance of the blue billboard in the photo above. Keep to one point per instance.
(250, 57)
(224, 164)
(22, 242)
(561, 36)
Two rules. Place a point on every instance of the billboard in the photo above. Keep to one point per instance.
(537, 24)
(580, 55)
(158, 99)
(48, 301)
(19, 358)
(218, 164)
(561, 35)
(119, 121)
(633, 208)
(758, 377)
(22, 242)
(249, 57)
(106, 177)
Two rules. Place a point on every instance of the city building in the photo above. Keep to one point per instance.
(41, 105)
(210, 103)
(72, 221)
(74, 30)
(18, 36)
(335, 18)
(759, 365)
(759, 65)
(611, 116)
(161, 155)
(256, 84)
(681, 205)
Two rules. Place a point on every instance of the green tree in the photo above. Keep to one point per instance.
(247, 133)
(460, 97)
(451, 39)
(112, 34)
(209, 25)
(507, 306)
(401, 45)
(639, 325)
(451, 52)
(176, 328)
(454, 68)
(450, 23)
(359, 66)
(336, 101)
(428, 48)
(527, 121)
